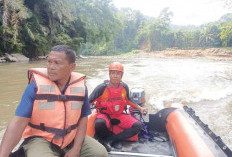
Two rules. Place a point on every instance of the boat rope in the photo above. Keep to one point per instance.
(216, 139)
(145, 133)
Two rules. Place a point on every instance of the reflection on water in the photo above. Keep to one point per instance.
(203, 84)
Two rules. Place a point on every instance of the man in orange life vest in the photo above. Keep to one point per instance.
(52, 115)
(111, 99)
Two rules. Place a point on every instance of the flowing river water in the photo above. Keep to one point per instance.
(201, 83)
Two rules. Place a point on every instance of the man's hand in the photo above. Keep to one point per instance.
(143, 110)
(78, 140)
(72, 153)
(12, 135)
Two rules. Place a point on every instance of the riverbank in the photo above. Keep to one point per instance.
(21, 58)
(211, 52)
(214, 53)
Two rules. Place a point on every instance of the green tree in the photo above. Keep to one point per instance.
(226, 34)
(156, 34)
(179, 39)
(53, 22)
(100, 23)
(165, 16)
(12, 16)
(131, 21)
(209, 36)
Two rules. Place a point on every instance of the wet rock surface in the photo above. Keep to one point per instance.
(13, 58)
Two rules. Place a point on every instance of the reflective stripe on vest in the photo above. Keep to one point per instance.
(55, 116)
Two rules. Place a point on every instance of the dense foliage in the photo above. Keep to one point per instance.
(96, 27)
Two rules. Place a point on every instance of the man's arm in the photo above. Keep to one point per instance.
(97, 92)
(132, 103)
(13, 135)
(129, 101)
(80, 135)
(19, 122)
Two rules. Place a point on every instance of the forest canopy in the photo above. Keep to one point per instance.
(97, 27)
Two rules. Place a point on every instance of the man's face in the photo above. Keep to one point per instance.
(115, 76)
(59, 68)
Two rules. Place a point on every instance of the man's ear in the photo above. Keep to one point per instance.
(73, 66)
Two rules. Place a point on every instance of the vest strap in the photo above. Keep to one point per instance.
(53, 97)
(114, 98)
(58, 132)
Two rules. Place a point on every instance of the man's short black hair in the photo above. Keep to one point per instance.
(70, 53)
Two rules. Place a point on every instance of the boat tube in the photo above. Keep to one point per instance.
(174, 131)
(187, 136)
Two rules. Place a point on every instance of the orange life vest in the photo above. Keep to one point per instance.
(115, 103)
(55, 116)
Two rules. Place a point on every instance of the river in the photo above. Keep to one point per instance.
(201, 83)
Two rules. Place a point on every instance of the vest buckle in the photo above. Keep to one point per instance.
(62, 98)
(68, 130)
(42, 126)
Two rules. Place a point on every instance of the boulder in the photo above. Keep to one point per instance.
(10, 58)
(2, 60)
(16, 58)
(42, 57)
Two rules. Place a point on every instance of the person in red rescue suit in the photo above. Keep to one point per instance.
(111, 98)
(53, 113)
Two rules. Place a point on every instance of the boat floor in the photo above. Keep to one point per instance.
(143, 148)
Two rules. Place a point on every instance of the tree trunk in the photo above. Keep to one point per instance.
(5, 15)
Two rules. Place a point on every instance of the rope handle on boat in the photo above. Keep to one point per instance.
(205, 127)
(145, 133)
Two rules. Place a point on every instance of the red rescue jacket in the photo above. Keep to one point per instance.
(116, 102)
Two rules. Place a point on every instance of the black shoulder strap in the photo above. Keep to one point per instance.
(97, 92)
